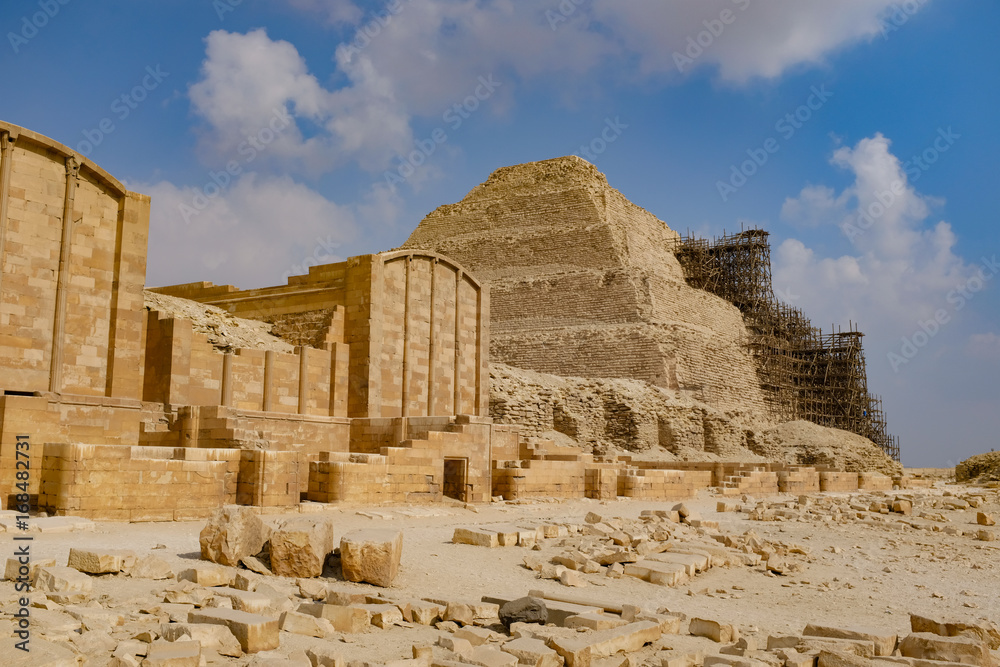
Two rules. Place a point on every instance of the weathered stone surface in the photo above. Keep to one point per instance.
(43, 654)
(953, 649)
(232, 532)
(254, 632)
(476, 536)
(13, 568)
(92, 561)
(533, 652)
(173, 654)
(714, 630)
(218, 638)
(884, 642)
(985, 631)
(305, 624)
(841, 659)
(371, 555)
(524, 610)
(325, 656)
(579, 650)
(58, 579)
(344, 618)
(299, 547)
(205, 574)
(254, 603)
(487, 656)
(151, 567)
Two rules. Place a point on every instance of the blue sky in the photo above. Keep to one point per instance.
(314, 105)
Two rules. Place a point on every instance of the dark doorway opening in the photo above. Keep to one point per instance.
(455, 473)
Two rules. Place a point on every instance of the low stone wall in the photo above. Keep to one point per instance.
(838, 481)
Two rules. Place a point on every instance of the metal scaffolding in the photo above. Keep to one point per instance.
(805, 373)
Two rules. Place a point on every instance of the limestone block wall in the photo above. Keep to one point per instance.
(119, 483)
(55, 418)
(72, 268)
(183, 368)
(838, 481)
(416, 324)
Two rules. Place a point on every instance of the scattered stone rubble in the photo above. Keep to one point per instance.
(210, 613)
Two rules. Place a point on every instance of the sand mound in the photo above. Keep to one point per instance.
(223, 331)
(979, 468)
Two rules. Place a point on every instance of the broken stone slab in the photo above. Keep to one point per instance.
(656, 572)
(476, 537)
(580, 650)
(96, 619)
(884, 641)
(91, 561)
(467, 612)
(714, 630)
(383, 615)
(183, 653)
(208, 575)
(233, 531)
(253, 631)
(532, 652)
(371, 555)
(595, 621)
(859, 647)
(325, 656)
(299, 547)
(488, 656)
(305, 624)
(216, 638)
(890, 660)
(693, 563)
(58, 579)
(985, 631)
(421, 612)
(15, 568)
(254, 603)
(952, 649)
(151, 567)
(351, 620)
(828, 658)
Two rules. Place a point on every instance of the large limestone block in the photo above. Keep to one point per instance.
(371, 555)
(305, 624)
(580, 650)
(92, 561)
(231, 533)
(151, 567)
(57, 579)
(884, 641)
(476, 536)
(299, 547)
(982, 630)
(952, 649)
(186, 653)
(714, 630)
(254, 632)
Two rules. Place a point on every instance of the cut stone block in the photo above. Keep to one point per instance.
(841, 659)
(232, 532)
(982, 630)
(299, 547)
(532, 652)
(173, 654)
(58, 579)
(662, 574)
(714, 630)
(595, 621)
(952, 649)
(487, 656)
(383, 615)
(371, 555)
(305, 624)
(859, 647)
(100, 562)
(254, 632)
(208, 575)
(325, 656)
(13, 569)
(580, 650)
(254, 603)
(216, 638)
(884, 641)
(476, 537)
(47, 653)
(351, 620)
(151, 567)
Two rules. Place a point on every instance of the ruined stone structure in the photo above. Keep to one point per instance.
(584, 283)
(377, 386)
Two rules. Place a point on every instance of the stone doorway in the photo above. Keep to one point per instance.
(455, 474)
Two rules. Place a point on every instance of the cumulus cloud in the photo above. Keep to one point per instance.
(249, 80)
(254, 234)
(902, 265)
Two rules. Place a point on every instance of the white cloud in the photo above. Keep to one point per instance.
(334, 12)
(252, 234)
(902, 264)
(248, 80)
